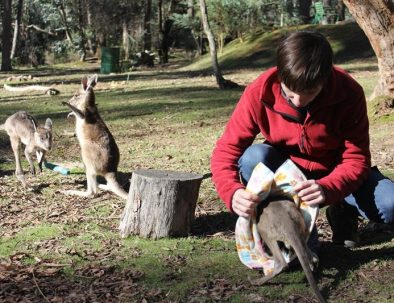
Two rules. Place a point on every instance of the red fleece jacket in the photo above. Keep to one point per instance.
(333, 139)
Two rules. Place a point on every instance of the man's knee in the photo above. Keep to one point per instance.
(257, 153)
(386, 209)
(385, 200)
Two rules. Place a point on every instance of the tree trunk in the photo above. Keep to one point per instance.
(160, 204)
(340, 9)
(16, 29)
(147, 27)
(91, 45)
(126, 41)
(304, 7)
(376, 19)
(223, 83)
(7, 37)
(191, 15)
(165, 29)
(81, 30)
(63, 17)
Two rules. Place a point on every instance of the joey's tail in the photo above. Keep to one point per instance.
(2, 126)
(114, 186)
(305, 259)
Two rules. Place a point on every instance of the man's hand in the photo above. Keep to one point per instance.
(310, 192)
(244, 203)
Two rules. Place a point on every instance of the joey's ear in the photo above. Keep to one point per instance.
(92, 81)
(48, 124)
(84, 82)
(33, 122)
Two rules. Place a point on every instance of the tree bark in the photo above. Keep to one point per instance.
(125, 39)
(304, 7)
(81, 31)
(147, 27)
(165, 25)
(223, 83)
(196, 37)
(160, 204)
(7, 37)
(340, 9)
(63, 16)
(91, 45)
(16, 28)
(376, 19)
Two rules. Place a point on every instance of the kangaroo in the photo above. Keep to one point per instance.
(282, 220)
(100, 154)
(22, 127)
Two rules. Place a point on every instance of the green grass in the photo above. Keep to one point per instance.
(258, 50)
(27, 238)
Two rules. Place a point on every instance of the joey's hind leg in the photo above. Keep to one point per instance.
(16, 148)
(280, 262)
(30, 160)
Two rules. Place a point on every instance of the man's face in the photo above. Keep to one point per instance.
(301, 99)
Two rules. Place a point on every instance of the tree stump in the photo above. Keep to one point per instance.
(160, 203)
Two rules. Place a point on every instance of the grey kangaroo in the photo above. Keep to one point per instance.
(282, 220)
(100, 154)
(22, 128)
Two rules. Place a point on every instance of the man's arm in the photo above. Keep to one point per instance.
(239, 133)
(355, 162)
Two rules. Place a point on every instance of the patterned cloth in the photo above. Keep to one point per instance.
(264, 183)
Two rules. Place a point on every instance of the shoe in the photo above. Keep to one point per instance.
(343, 219)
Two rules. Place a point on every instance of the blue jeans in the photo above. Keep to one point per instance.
(374, 199)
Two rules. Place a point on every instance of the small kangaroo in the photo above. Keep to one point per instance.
(100, 154)
(282, 220)
(22, 127)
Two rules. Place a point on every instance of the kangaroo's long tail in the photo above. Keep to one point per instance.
(305, 259)
(113, 185)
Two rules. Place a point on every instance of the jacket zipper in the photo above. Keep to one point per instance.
(302, 139)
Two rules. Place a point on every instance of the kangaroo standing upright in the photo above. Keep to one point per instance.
(282, 220)
(22, 128)
(100, 154)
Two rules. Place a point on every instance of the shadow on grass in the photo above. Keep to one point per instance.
(8, 172)
(154, 74)
(166, 101)
(208, 225)
(347, 261)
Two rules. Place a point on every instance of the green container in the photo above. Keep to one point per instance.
(109, 60)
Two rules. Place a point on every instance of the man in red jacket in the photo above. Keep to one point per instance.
(315, 114)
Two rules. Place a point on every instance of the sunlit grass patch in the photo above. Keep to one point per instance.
(28, 239)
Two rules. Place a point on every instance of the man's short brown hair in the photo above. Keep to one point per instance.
(304, 60)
